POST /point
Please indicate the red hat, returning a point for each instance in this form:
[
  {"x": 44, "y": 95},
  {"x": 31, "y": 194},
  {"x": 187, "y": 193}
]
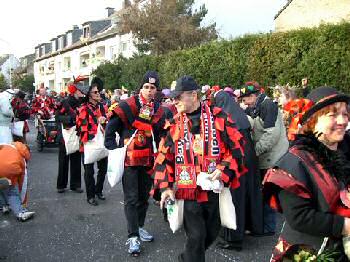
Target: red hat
[{"x": 72, "y": 88}]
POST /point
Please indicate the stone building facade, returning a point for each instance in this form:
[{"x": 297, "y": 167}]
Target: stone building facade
[{"x": 310, "y": 13}]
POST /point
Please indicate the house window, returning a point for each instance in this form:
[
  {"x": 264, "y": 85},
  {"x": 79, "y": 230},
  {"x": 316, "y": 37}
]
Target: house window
[
  {"x": 66, "y": 63},
  {"x": 51, "y": 67},
  {"x": 63, "y": 42},
  {"x": 124, "y": 46},
  {"x": 86, "y": 32},
  {"x": 84, "y": 60},
  {"x": 41, "y": 70},
  {"x": 69, "y": 39}
]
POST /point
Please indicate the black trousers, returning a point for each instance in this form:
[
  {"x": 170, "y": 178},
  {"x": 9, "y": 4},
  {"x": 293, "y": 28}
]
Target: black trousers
[
  {"x": 91, "y": 187},
  {"x": 74, "y": 160},
  {"x": 137, "y": 185},
  {"x": 202, "y": 225}
]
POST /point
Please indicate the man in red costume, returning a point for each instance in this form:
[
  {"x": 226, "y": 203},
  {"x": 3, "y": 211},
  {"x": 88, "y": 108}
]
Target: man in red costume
[
  {"x": 198, "y": 140},
  {"x": 43, "y": 105}
]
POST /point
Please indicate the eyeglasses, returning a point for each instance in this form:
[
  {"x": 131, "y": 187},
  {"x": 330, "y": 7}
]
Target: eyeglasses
[{"x": 95, "y": 92}]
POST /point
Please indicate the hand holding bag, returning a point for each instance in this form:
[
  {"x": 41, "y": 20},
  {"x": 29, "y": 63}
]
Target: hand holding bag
[{"x": 116, "y": 159}]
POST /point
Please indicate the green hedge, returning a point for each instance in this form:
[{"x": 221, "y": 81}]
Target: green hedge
[{"x": 322, "y": 54}]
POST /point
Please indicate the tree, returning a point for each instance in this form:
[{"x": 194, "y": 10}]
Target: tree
[
  {"x": 110, "y": 73},
  {"x": 3, "y": 82},
  {"x": 164, "y": 25},
  {"x": 24, "y": 83}
]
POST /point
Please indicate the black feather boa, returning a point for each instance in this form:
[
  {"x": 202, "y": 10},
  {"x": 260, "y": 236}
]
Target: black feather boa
[{"x": 337, "y": 163}]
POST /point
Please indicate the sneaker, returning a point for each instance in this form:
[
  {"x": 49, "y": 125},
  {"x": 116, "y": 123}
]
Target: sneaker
[
  {"x": 5, "y": 210},
  {"x": 100, "y": 196},
  {"x": 92, "y": 201},
  {"x": 144, "y": 235},
  {"x": 24, "y": 216},
  {"x": 134, "y": 246}
]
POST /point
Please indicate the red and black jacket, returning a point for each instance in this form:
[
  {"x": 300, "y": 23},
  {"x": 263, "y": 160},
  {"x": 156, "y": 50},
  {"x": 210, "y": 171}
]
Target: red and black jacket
[
  {"x": 125, "y": 120},
  {"x": 45, "y": 106},
  {"x": 66, "y": 113},
  {"x": 87, "y": 121},
  {"x": 231, "y": 156},
  {"x": 308, "y": 186},
  {"x": 21, "y": 109}
]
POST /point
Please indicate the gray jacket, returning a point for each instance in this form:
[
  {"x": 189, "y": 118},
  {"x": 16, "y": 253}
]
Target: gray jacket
[{"x": 268, "y": 131}]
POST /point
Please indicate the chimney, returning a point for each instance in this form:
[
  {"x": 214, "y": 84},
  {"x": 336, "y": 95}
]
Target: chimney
[
  {"x": 110, "y": 11},
  {"x": 75, "y": 27}
]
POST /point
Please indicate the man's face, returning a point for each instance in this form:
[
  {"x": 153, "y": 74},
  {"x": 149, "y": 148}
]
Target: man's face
[
  {"x": 148, "y": 91},
  {"x": 249, "y": 100},
  {"x": 42, "y": 91},
  {"x": 304, "y": 82},
  {"x": 78, "y": 94},
  {"x": 184, "y": 103}
]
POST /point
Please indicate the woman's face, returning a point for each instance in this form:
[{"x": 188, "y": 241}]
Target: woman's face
[
  {"x": 95, "y": 94},
  {"x": 332, "y": 125}
]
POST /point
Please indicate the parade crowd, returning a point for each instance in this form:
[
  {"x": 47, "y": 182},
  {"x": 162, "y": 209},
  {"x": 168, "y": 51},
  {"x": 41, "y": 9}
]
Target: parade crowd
[{"x": 185, "y": 146}]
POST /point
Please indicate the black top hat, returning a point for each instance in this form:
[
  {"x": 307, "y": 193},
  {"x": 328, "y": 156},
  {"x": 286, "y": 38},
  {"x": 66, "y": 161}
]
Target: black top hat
[
  {"x": 322, "y": 97},
  {"x": 183, "y": 84}
]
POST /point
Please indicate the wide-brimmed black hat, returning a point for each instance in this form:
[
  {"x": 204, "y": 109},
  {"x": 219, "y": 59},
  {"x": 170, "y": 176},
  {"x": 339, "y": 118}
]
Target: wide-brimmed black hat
[
  {"x": 322, "y": 97},
  {"x": 183, "y": 84}
]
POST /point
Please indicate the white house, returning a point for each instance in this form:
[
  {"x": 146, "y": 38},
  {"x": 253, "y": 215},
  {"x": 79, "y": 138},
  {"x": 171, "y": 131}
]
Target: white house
[
  {"x": 80, "y": 50},
  {"x": 310, "y": 13},
  {"x": 8, "y": 63}
]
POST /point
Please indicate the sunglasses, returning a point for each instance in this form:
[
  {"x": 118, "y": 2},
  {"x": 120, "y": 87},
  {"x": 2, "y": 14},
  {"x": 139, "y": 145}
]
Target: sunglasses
[{"x": 95, "y": 92}]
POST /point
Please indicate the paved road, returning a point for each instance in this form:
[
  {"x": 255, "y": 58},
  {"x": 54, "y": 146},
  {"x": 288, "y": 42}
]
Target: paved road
[{"x": 66, "y": 228}]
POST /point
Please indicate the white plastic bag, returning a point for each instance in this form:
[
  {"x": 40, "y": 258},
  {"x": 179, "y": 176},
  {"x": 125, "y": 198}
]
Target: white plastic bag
[
  {"x": 116, "y": 159},
  {"x": 71, "y": 140},
  {"x": 176, "y": 214},
  {"x": 227, "y": 209},
  {"x": 17, "y": 128},
  {"x": 95, "y": 150}
]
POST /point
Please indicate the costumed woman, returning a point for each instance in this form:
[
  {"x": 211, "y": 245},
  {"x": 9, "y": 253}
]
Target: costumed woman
[{"x": 310, "y": 183}]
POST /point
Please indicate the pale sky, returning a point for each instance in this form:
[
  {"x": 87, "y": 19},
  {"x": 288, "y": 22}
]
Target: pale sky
[{"x": 27, "y": 23}]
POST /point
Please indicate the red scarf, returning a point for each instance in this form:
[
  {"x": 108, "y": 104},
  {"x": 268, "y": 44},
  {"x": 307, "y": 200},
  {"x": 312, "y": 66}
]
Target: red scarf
[{"x": 185, "y": 169}]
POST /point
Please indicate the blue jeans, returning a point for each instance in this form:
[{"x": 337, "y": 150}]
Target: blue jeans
[{"x": 12, "y": 197}]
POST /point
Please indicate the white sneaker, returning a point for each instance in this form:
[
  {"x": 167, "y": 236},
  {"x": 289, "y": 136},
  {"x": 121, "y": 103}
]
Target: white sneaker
[
  {"x": 5, "y": 210},
  {"x": 24, "y": 216},
  {"x": 134, "y": 246},
  {"x": 145, "y": 236}
]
